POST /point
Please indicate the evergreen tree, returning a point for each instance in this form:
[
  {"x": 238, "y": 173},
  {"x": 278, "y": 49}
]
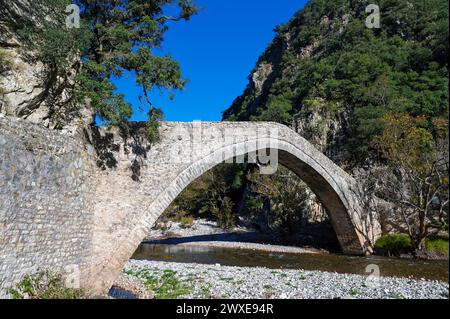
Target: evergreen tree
[{"x": 115, "y": 37}]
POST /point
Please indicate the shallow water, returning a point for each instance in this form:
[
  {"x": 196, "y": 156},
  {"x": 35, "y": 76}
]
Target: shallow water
[{"x": 428, "y": 269}]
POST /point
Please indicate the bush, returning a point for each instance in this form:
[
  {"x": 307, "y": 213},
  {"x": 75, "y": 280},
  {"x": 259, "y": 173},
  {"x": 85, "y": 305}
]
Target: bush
[
  {"x": 182, "y": 217},
  {"x": 393, "y": 244},
  {"x": 186, "y": 221},
  {"x": 224, "y": 213},
  {"x": 437, "y": 245},
  {"x": 165, "y": 284},
  {"x": 45, "y": 285}
]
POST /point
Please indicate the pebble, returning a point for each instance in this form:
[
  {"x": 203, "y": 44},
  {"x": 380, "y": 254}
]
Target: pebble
[{"x": 262, "y": 283}]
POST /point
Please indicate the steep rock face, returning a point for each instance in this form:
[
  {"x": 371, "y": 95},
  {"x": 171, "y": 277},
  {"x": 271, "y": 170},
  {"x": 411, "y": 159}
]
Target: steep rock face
[
  {"x": 323, "y": 124},
  {"x": 28, "y": 89},
  {"x": 324, "y": 129}
]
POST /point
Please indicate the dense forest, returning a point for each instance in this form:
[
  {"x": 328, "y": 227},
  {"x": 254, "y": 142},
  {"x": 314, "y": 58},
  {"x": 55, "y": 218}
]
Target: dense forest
[{"x": 327, "y": 59}]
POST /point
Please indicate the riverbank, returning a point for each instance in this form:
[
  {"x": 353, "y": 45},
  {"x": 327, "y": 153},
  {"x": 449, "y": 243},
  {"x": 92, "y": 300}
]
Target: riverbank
[
  {"x": 206, "y": 233},
  {"x": 238, "y": 242},
  {"x": 189, "y": 280}
]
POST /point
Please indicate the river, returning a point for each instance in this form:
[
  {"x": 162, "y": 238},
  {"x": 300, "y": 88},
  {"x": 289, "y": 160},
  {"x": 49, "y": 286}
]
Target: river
[{"x": 395, "y": 267}]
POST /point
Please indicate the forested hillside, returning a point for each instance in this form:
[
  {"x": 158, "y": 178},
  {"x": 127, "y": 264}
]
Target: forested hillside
[{"x": 325, "y": 67}]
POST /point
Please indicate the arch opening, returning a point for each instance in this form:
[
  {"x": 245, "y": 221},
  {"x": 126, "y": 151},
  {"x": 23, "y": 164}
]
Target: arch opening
[{"x": 276, "y": 209}]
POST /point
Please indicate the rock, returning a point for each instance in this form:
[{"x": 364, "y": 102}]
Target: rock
[{"x": 28, "y": 89}]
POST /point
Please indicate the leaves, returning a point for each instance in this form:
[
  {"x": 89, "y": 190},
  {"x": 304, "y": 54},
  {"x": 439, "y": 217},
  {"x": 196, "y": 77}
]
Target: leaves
[
  {"x": 419, "y": 186},
  {"x": 401, "y": 67},
  {"x": 404, "y": 141},
  {"x": 116, "y": 36},
  {"x": 45, "y": 285}
]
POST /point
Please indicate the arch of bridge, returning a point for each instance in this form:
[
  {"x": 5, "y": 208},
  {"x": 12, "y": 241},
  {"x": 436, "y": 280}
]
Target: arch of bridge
[{"x": 127, "y": 208}]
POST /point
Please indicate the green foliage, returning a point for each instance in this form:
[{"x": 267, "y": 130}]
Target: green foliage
[
  {"x": 165, "y": 284},
  {"x": 401, "y": 67},
  {"x": 437, "y": 244},
  {"x": 255, "y": 203},
  {"x": 278, "y": 110},
  {"x": 152, "y": 125},
  {"x": 116, "y": 38},
  {"x": 49, "y": 40},
  {"x": 205, "y": 291},
  {"x": 418, "y": 153},
  {"x": 286, "y": 194},
  {"x": 94, "y": 86},
  {"x": 394, "y": 243},
  {"x": 186, "y": 221},
  {"x": 405, "y": 142},
  {"x": 224, "y": 213},
  {"x": 212, "y": 195},
  {"x": 5, "y": 63},
  {"x": 45, "y": 285}
]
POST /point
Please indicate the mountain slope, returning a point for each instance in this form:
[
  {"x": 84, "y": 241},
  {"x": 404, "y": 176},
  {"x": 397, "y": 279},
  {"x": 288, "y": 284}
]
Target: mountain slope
[{"x": 331, "y": 78}]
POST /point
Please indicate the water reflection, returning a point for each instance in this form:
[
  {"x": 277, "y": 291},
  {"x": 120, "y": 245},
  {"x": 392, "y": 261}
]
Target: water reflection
[{"x": 429, "y": 269}]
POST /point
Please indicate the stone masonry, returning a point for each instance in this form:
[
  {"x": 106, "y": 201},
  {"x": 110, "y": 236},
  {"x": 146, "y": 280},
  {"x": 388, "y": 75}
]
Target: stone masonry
[
  {"x": 62, "y": 203},
  {"x": 45, "y": 214}
]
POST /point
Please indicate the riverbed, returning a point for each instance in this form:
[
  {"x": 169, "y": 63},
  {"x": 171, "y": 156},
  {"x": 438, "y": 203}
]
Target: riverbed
[
  {"x": 192, "y": 280},
  {"x": 204, "y": 262},
  {"x": 279, "y": 257}
]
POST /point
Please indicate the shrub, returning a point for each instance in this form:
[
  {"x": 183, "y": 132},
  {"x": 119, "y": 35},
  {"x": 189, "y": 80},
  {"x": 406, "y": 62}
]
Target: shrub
[
  {"x": 186, "y": 221},
  {"x": 394, "y": 243},
  {"x": 164, "y": 284},
  {"x": 437, "y": 244},
  {"x": 5, "y": 63},
  {"x": 45, "y": 285},
  {"x": 182, "y": 217},
  {"x": 224, "y": 213}
]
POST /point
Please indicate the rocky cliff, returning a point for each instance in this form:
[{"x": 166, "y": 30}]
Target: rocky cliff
[
  {"x": 264, "y": 98},
  {"x": 330, "y": 77},
  {"x": 28, "y": 88}
]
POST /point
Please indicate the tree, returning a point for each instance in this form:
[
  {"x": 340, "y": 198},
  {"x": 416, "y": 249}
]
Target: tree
[
  {"x": 116, "y": 38},
  {"x": 287, "y": 197},
  {"x": 418, "y": 185},
  {"x": 213, "y": 195},
  {"x": 401, "y": 67}
]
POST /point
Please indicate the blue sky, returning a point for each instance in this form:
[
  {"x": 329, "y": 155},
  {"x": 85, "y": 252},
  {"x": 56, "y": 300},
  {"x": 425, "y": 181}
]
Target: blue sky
[{"x": 216, "y": 49}]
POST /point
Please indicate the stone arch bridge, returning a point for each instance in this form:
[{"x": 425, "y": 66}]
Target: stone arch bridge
[{"x": 84, "y": 208}]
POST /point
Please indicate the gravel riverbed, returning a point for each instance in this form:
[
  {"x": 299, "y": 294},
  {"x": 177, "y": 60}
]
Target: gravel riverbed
[{"x": 183, "y": 280}]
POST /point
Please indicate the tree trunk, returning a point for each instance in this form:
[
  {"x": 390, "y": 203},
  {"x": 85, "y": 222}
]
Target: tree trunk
[{"x": 419, "y": 244}]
